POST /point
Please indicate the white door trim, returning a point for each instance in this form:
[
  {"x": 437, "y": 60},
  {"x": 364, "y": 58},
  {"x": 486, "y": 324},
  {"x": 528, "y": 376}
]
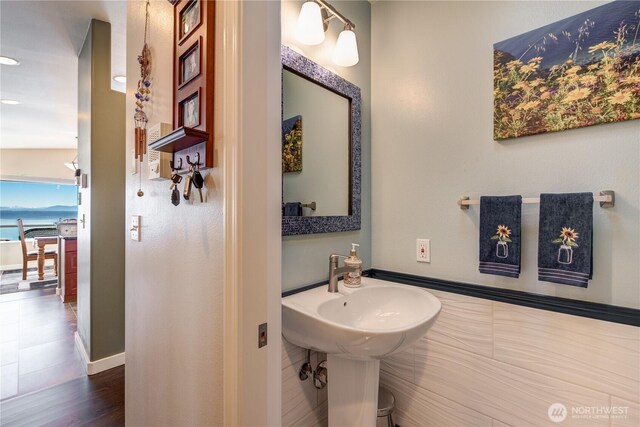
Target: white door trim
[
  {"x": 230, "y": 69},
  {"x": 248, "y": 77}
]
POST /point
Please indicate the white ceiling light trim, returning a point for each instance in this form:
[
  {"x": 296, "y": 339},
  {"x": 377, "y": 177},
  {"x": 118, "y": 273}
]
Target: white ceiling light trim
[
  {"x": 7, "y": 60},
  {"x": 120, "y": 79},
  {"x": 10, "y": 101}
]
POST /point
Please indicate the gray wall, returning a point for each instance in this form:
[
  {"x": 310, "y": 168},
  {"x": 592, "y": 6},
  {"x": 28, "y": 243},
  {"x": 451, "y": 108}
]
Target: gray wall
[
  {"x": 101, "y": 126},
  {"x": 305, "y": 258},
  {"x": 432, "y": 142}
]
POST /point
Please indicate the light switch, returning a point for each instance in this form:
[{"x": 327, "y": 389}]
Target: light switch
[{"x": 135, "y": 228}]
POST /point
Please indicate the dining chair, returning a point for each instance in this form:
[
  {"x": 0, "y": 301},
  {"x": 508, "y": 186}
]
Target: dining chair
[{"x": 33, "y": 255}]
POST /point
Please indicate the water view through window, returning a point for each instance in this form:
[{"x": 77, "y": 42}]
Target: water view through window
[{"x": 36, "y": 203}]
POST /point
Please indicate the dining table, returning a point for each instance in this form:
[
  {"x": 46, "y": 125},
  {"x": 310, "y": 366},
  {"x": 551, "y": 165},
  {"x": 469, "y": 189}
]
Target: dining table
[{"x": 41, "y": 242}]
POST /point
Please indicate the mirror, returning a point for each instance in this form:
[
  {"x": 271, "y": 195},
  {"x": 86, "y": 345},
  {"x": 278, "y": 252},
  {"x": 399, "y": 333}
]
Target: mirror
[
  {"x": 320, "y": 148},
  {"x": 315, "y": 157}
]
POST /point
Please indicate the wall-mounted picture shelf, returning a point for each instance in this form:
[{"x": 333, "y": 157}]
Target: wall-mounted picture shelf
[
  {"x": 183, "y": 139},
  {"x": 193, "y": 57}
]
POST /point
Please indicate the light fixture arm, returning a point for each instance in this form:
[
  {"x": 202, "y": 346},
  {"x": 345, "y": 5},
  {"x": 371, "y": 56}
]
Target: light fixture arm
[{"x": 333, "y": 13}]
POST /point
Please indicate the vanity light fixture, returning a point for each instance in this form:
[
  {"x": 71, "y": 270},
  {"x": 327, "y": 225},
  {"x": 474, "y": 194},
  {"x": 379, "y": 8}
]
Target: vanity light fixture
[
  {"x": 6, "y": 60},
  {"x": 120, "y": 79},
  {"x": 9, "y": 101},
  {"x": 312, "y": 23}
]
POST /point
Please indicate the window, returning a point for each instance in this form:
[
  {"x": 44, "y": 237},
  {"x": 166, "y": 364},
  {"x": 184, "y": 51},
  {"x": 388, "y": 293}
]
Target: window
[{"x": 37, "y": 203}]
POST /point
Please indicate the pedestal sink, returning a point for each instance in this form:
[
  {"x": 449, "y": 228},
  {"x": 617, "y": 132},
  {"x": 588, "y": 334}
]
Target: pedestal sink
[{"x": 357, "y": 327}]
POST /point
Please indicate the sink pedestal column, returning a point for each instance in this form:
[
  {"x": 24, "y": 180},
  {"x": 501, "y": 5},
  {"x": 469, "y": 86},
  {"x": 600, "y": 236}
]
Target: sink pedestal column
[{"x": 353, "y": 391}]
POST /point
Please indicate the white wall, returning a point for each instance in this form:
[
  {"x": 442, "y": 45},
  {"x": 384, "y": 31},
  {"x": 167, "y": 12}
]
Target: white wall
[
  {"x": 305, "y": 258},
  {"x": 432, "y": 142},
  {"x": 40, "y": 165},
  {"x": 195, "y": 273},
  {"x": 174, "y": 275}
]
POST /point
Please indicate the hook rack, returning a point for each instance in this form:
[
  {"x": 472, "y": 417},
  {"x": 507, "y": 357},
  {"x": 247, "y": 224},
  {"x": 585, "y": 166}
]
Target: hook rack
[
  {"x": 607, "y": 199},
  {"x": 196, "y": 163},
  {"x": 311, "y": 205},
  {"x": 194, "y": 156},
  {"x": 171, "y": 164}
]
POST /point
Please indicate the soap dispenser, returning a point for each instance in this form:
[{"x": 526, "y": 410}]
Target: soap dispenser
[{"x": 353, "y": 278}]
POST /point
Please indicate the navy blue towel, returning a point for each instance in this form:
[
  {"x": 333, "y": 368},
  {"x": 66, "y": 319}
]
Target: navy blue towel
[
  {"x": 292, "y": 209},
  {"x": 500, "y": 235},
  {"x": 565, "y": 238}
]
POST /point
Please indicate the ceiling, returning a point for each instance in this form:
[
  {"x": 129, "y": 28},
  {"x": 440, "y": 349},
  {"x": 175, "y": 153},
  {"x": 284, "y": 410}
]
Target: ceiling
[{"x": 46, "y": 37}]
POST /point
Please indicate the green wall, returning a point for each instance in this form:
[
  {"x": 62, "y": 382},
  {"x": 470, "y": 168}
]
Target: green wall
[{"x": 101, "y": 155}]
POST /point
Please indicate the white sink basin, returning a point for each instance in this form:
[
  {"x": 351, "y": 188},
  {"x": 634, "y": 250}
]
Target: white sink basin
[{"x": 366, "y": 323}]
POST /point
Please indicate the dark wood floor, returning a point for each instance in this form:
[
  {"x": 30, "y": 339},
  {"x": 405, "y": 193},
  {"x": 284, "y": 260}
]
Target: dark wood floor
[{"x": 97, "y": 400}]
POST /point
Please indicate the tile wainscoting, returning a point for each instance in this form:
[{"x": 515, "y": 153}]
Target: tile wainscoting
[
  {"x": 489, "y": 363},
  {"x": 302, "y": 404}
]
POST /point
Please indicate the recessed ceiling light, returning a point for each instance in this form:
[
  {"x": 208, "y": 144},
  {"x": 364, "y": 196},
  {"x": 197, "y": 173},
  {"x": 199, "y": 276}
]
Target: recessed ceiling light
[
  {"x": 5, "y": 60},
  {"x": 120, "y": 79},
  {"x": 9, "y": 101}
]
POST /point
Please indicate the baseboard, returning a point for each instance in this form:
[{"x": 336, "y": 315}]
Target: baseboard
[
  {"x": 11, "y": 267},
  {"x": 97, "y": 365}
]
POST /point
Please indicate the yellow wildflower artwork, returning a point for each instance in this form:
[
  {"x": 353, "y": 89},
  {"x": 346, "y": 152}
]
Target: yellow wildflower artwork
[
  {"x": 581, "y": 71},
  {"x": 292, "y": 145}
]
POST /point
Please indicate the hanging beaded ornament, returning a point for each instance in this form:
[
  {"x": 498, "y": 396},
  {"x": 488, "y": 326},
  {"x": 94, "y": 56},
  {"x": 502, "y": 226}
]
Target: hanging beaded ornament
[{"x": 142, "y": 96}]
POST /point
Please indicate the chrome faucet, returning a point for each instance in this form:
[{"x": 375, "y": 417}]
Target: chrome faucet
[{"x": 334, "y": 271}]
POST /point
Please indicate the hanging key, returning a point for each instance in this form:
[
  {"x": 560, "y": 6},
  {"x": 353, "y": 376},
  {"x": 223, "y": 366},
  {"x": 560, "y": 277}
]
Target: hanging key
[
  {"x": 175, "y": 179},
  {"x": 187, "y": 184},
  {"x": 175, "y": 195},
  {"x": 198, "y": 181}
]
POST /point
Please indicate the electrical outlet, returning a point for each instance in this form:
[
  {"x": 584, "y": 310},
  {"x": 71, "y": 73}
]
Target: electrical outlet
[{"x": 423, "y": 250}]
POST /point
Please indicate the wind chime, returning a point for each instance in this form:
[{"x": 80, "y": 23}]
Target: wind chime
[{"x": 142, "y": 96}]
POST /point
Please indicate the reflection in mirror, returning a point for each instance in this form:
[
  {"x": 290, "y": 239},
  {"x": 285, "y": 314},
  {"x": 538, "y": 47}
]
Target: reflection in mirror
[
  {"x": 320, "y": 148},
  {"x": 316, "y": 148}
]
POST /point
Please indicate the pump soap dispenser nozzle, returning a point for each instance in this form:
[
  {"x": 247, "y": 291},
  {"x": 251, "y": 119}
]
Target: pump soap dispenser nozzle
[{"x": 353, "y": 278}]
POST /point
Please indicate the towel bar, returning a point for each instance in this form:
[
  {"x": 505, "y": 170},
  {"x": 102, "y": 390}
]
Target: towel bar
[{"x": 606, "y": 198}]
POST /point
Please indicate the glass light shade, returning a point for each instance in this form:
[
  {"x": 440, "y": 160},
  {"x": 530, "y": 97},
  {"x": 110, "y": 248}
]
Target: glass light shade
[
  {"x": 345, "y": 53},
  {"x": 310, "y": 27}
]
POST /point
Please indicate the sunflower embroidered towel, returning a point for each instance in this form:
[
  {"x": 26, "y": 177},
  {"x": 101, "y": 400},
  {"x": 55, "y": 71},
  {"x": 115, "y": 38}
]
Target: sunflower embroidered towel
[
  {"x": 500, "y": 235},
  {"x": 565, "y": 238}
]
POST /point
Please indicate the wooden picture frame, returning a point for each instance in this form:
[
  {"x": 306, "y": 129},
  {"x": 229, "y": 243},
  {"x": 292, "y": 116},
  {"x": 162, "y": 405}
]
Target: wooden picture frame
[
  {"x": 190, "y": 64},
  {"x": 190, "y": 110},
  {"x": 190, "y": 18},
  {"x": 193, "y": 79}
]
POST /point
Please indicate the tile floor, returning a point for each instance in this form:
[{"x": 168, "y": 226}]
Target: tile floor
[
  {"x": 10, "y": 279},
  {"x": 37, "y": 342}
]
